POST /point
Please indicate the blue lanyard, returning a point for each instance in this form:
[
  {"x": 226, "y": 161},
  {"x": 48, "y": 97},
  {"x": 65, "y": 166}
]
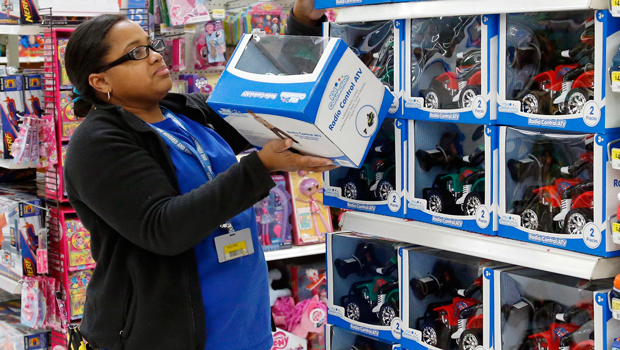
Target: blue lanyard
[{"x": 182, "y": 146}]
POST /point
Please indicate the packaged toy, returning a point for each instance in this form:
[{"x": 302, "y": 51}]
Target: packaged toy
[
  {"x": 264, "y": 18},
  {"x": 363, "y": 293},
  {"x": 452, "y": 176},
  {"x": 337, "y": 122},
  {"x": 554, "y": 70},
  {"x": 30, "y": 45},
  {"x": 283, "y": 340},
  {"x": 77, "y": 239},
  {"x": 76, "y": 290},
  {"x": 452, "y": 69},
  {"x": 178, "y": 54},
  {"x": 377, "y": 186},
  {"x": 338, "y": 338},
  {"x": 168, "y": 53},
  {"x": 33, "y": 94},
  {"x": 65, "y": 83},
  {"x": 301, "y": 319},
  {"x": 187, "y": 11},
  {"x": 308, "y": 280},
  {"x": 310, "y": 217},
  {"x": 214, "y": 39},
  {"x": 206, "y": 83},
  {"x": 556, "y": 189},
  {"x": 67, "y": 116},
  {"x": 29, "y": 12},
  {"x": 10, "y": 12},
  {"x": 16, "y": 336},
  {"x": 272, "y": 217},
  {"x": 11, "y": 103}
]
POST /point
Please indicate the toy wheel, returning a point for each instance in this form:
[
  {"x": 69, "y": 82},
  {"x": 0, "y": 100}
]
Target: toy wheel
[
  {"x": 387, "y": 313},
  {"x": 575, "y": 220},
  {"x": 357, "y": 309},
  {"x": 575, "y": 100},
  {"x": 470, "y": 339},
  {"x": 351, "y": 190},
  {"x": 530, "y": 104},
  {"x": 529, "y": 219},
  {"x": 472, "y": 202},
  {"x": 431, "y": 99},
  {"x": 430, "y": 335},
  {"x": 383, "y": 189},
  {"x": 468, "y": 95},
  {"x": 435, "y": 201}
]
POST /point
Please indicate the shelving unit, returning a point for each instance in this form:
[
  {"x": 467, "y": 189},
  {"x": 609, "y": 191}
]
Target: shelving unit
[
  {"x": 20, "y": 30},
  {"x": 77, "y": 7},
  {"x": 9, "y": 164},
  {"x": 489, "y": 247},
  {"x": 35, "y": 59},
  {"x": 295, "y": 252},
  {"x": 10, "y": 285}
]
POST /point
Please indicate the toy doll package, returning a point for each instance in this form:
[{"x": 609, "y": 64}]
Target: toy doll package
[
  {"x": 210, "y": 46},
  {"x": 78, "y": 245},
  {"x": 65, "y": 83},
  {"x": 272, "y": 217},
  {"x": 187, "y": 11},
  {"x": 310, "y": 218},
  {"x": 264, "y": 18},
  {"x": 69, "y": 121}
]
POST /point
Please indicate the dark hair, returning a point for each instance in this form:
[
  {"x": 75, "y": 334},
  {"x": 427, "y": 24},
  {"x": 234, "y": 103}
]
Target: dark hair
[{"x": 84, "y": 55}]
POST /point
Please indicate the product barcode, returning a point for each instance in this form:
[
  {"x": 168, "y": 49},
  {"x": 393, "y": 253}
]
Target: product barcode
[
  {"x": 236, "y": 253},
  {"x": 344, "y": 162}
]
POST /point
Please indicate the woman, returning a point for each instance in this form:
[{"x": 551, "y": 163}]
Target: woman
[{"x": 154, "y": 178}]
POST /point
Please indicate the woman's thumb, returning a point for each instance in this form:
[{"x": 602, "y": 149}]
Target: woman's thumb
[{"x": 283, "y": 145}]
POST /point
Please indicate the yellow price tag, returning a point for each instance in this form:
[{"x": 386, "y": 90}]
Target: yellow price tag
[
  {"x": 221, "y": 13},
  {"x": 615, "y": 3},
  {"x": 236, "y": 249},
  {"x": 615, "y": 304},
  {"x": 615, "y": 76},
  {"x": 616, "y": 227},
  {"x": 615, "y": 153}
]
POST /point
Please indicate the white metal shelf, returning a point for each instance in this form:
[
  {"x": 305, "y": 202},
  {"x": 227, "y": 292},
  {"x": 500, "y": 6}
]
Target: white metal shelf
[
  {"x": 34, "y": 59},
  {"x": 424, "y": 9},
  {"x": 10, "y": 285},
  {"x": 295, "y": 252},
  {"x": 79, "y": 7},
  {"x": 21, "y": 30},
  {"x": 489, "y": 247},
  {"x": 9, "y": 164}
]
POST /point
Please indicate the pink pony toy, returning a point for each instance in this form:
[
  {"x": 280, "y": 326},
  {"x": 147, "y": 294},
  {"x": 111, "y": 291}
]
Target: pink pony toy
[
  {"x": 309, "y": 187},
  {"x": 309, "y": 316}
]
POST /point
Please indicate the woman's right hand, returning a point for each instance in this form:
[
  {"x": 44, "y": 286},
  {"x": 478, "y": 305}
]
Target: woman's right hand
[{"x": 276, "y": 156}]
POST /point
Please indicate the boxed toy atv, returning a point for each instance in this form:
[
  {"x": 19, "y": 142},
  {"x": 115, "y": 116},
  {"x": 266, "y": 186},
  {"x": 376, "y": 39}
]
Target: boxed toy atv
[
  {"x": 445, "y": 299},
  {"x": 451, "y": 69},
  {"x": 363, "y": 285},
  {"x": 556, "y": 189},
  {"x": 378, "y": 45},
  {"x": 554, "y": 70},
  {"x": 338, "y": 338},
  {"x": 453, "y": 175},
  {"x": 312, "y": 90},
  {"x": 537, "y": 310},
  {"x": 378, "y": 185}
]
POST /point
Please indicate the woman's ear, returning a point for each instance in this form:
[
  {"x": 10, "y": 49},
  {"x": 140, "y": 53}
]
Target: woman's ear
[{"x": 99, "y": 83}]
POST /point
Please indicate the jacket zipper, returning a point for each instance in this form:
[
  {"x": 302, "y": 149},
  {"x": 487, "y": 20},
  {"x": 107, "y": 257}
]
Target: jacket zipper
[{"x": 191, "y": 307}]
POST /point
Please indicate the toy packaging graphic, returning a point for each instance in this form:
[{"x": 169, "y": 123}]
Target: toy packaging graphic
[
  {"x": 33, "y": 94},
  {"x": 68, "y": 119},
  {"x": 16, "y": 336},
  {"x": 338, "y": 338},
  {"x": 447, "y": 302},
  {"x": 65, "y": 83},
  {"x": 78, "y": 251},
  {"x": 310, "y": 217},
  {"x": 314, "y": 91},
  {"x": 283, "y": 340},
  {"x": 210, "y": 46},
  {"x": 451, "y": 67},
  {"x": 76, "y": 287},
  {"x": 363, "y": 287},
  {"x": 308, "y": 280},
  {"x": 536, "y": 309},
  {"x": 178, "y": 54},
  {"x": 557, "y": 189},
  {"x": 378, "y": 45},
  {"x": 453, "y": 175},
  {"x": 29, "y": 10},
  {"x": 265, "y": 18},
  {"x": 272, "y": 217},
  {"x": 10, "y": 13},
  {"x": 11, "y": 103},
  {"x": 554, "y": 73},
  {"x": 30, "y": 45},
  {"x": 187, "y": 11},
  {"x": 377, "y": 186}
]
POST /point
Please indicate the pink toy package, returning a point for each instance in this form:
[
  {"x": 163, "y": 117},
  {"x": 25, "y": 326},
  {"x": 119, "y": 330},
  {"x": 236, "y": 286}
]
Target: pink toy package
[
  {"x": 178, "y": 54},
  {"x": 272, "y": 217},
  {"x": 187, "y": 11},
  {"x": 265, "y": 18},
  {"x": 310, "y": 218},
  {"x": 210, "y": 46},
  {"x": 78, "y": 245}
]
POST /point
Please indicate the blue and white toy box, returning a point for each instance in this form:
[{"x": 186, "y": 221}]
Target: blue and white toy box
[
  {"x": 363, "y": 284},
  {"x": 446, "y": 299},
  {"x": 450, "y": 69},
  {"x": 327, "y": 4},
  {"x": 558, "y": 189},
  {"x": 453, "y": 175},
  {"x": 554, "y": 71},
  {"x": 379, "y": 45},
  {"x": 337, "y": 338},
  {"x": 535, "y": 310},
  {"x": 310, "y": 89},
  {"x": 11, "y": 103},
  {"x": 378, "y": 186}
]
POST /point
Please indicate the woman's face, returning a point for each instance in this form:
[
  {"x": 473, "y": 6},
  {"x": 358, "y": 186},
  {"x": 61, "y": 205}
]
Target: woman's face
[{"x": 135, "y": 81}]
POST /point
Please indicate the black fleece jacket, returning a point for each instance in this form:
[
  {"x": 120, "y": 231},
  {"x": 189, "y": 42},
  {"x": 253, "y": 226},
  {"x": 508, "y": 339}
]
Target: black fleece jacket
[{"x": 145, "y": 291}]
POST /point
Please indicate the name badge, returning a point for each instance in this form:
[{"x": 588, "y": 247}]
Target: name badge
[{"x": 234, "y": 245}]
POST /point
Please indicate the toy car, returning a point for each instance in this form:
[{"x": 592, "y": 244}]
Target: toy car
[
  {"x": 448, "y": 189},
  {"x": 363, "y": 298}
]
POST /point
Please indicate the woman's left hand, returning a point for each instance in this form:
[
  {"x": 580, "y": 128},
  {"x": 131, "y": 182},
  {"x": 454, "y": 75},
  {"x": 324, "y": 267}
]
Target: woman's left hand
[{"x": 305, "y": 12}]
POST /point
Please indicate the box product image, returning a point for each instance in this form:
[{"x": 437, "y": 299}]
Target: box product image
[
  {"x": 446, "y": 303},
  {"x": 11, "y": 103},
  {"x": 557, "y": 189},
  {"x": 453, "y": 175},
  {"x": 312, "y": 90},
  {"x": 378, "y": 185},
  {"x": 33, "y": 94},
  {"x": 363, "y": 288},
  {"x": 451, "y": 69},
  {"x": 554, "y": 70},
  {"x": 310, "y": 215},
  {"x": 338, "y": 338},
  {"x": 272, "y": 217},
  {"x": 537, "y": 310},
  {"x": 378, "y": 45}
]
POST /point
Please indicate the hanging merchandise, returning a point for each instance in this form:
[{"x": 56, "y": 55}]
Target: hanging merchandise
[
  {"x": 210, "y": 46},
  {"x": 272, "y": 217},
  {"x": 14, "y": 335},
  {"x": 65, "y": 83},
  {"x": 265, "y": 18},
  {"x": 178, "y": 54},
  {"x": 47, "y": 142},
  {"x": 12, "y": 102},
  {"x": 67, "y": 116},
  {"x": 187, "y": 11},
  {"x": 33, "y": 94},
  {"x": 77, "y": 240}
]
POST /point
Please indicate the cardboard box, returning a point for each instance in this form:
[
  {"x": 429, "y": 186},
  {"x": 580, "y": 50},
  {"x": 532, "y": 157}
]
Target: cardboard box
[
  {"x": 12, "y": 102},
  {"x": 558, "y": 189},
  {"x": 323, "y": 97},
  {"x": 272, "y": 216},
  {"x": 33, "y": 94},
  {"x": 453, "y": 175},
  {"x": 14, "y": 335},
  {"x": 10, "y": 13},
  {"x": 451, "y": 69},
  {"x": 554, "y": 71},
  {"x": 327, "y": 4},
  {"x": 338, "y": 338},
  {"x": 283, "y": 340}
]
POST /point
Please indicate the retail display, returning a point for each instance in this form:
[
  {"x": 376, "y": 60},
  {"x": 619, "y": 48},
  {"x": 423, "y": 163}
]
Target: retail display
[
  {"x": 16, "y": 336},
  {"x": 272, "y": 217},
  {"x": 30, "y": 46},
  {"x": 33, "y": 94},
  {"x": 10, "y": 12},
  {"x": 308, "y": 280},
  {"x": 377, "y": 186},
  {"x": 451, "y": 176},
  {"x": 338, "y": 122},
  {"x": 264, "y": 18},
  {"x": 338, "y": 338},
  {"x": 555, "y": 189},
  {"x": 11, "y": 103},
  {"x": 210, "y": 46},
  {"x": 310, "y": 216},
  {"x": 178, "y": 54}
]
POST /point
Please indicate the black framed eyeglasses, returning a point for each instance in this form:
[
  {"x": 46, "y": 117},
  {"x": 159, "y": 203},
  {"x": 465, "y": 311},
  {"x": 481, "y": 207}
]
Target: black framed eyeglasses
[{"x": 138, "y": 53}]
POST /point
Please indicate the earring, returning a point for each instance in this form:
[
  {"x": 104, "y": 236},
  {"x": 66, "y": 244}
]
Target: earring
[{"x": 109, "y": 96}]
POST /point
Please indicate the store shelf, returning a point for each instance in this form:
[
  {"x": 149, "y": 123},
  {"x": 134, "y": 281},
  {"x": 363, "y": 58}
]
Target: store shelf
[
  {"x": 21, "y": 30},
  {"x": 10, "y": 285},
  {"x": 79, "y": 8},
  {"x": 8, "y": 164},
  {"x": 25, "y": 59},
  {"x": 495, "y": 248},
  {"x": 423, "y": 9},
  {"x": 295, "y": 252}
]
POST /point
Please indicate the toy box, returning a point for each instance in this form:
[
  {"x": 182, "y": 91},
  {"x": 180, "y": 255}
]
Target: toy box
[
  {"x": 29, "y": 12},
  {"x": 33, "y": 94},
  {"x": 65, "y": 83},
  {"x": 178, "y": 54},
  {"x": 308, "y": 280},
  {"x": 15, "y": 336},
  {"x": 67, "y": 118},
  {"x": 378, "y": 185},
  {"x": 363, "y": 285},
  {"x": 451, "y": 69},
  {"x": 77, "y": 241},
  {"x": 341, "y": 339},
  {"x": 446, "y": 300},
  {"x": 539, "y": 310},
  {"x": 558, "y": 189},
  {"x": 453, "y": 175},
  {"x": 283, "y": 340},
  {"x": 10, "y": 13},
  {"x": 378, "y": 45},
  {"x": 325, "y": 99},
  {"x": 265, "y": 18},
  {"x": 326, "y": 4},
  {"x": 11, "y": 103},
  {"x": 310, "y": 216},
  {"x": 554, "y": 71},
  {"x": 187, "y": 11},
  {"x": 272, "y": 217}
]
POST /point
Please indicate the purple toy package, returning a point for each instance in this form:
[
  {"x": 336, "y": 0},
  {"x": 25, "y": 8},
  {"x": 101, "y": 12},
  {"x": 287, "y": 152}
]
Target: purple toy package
[{"x": 272, "y": 214}]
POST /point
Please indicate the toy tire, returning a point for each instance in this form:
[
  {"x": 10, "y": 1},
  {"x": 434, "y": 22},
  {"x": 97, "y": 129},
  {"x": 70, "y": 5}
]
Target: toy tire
[
  {"x": 434, "y": 334},
  {"x": 530, "y": 218},
  {"x": 439, "y": 200},
  {"x": 351, "y": 190},
  {"x": 383, "y": 190},
  {"x": 536, "y": 102},
  {"x": 432, "y": 99},
  {"x": 470, "y": 339},
  {"x": 575, "y": 220},
  {"x": 468, "y": 95},
  {"x": 575, "y": 100},
  {"x": 472, "y": 202},
  {"x": 387, "y": 313},
  {"x": 357, "y": 309}
]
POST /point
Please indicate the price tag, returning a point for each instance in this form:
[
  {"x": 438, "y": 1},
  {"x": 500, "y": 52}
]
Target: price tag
[
  {"x": 615, "y": 153},
  {"x": 616, "y": 229},
  {"x": 221, "y": 13},
  {"x": 615, "y": 3},
  {"x": 615, "y": 76},
  {"x": 615, "y": 304}
]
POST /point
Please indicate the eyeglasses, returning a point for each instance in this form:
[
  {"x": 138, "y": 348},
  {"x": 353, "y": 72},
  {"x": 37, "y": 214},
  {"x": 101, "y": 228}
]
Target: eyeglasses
[{"x": 138, "y": 53}]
